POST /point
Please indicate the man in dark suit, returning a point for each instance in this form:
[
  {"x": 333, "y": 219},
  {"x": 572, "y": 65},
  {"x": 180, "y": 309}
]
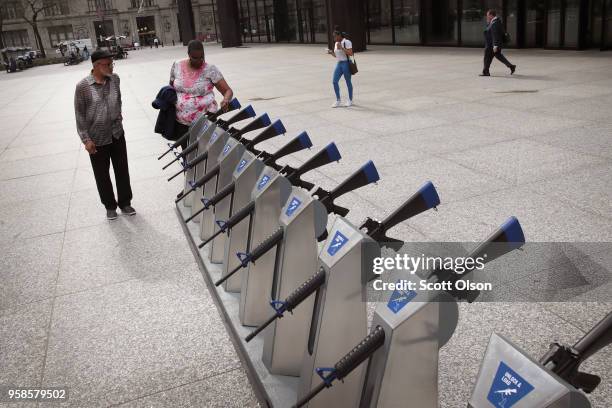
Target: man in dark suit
[{"x": 494, "y": 39}]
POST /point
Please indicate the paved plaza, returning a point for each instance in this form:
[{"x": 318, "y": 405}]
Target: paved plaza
[{"x": 119, "y": 312}]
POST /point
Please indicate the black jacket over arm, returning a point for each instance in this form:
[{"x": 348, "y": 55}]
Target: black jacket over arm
[
  {"x": 165, "y": 101},
  {"x": 494, "y": 34}
]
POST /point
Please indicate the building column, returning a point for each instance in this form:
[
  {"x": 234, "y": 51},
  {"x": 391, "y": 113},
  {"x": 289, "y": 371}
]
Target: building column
[
  {"x": 134, "y": 28},
  {"x": 186, "y": 16},
  {"x": 158, "y": 26},
  {"x": 349, "y": 15},
  {"x": 229, "y": 18},
  {"x": 281, "y": 21}
]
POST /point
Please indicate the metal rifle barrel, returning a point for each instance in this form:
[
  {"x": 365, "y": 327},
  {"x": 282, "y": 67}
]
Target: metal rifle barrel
[
  {"x": 185, "y": 195},
  {"x": 261, "y": 327},
  {"x": 229, "y": 275},
  {"x": 597, "y": 338},
  {"x": 257, "y": 252},
  {"x": 313, "y": 393},
  {"x": 233, "y": 220},
  {"x": 182, "y": 154},
  {"x": 188, "y": 165},
  {"x": 349, "y": 362},
  {"x": 179, "y": 173},
  {"x": 294, "y": 299},
  {"x": 200, "y": 211},
  {"x": 213, "y": 236},
  {"x": 176, "y": 144},
  {"x": 168, "y": 165},
  {"x": 200, "y": 182},
  {"x": 214, "y": 200}
]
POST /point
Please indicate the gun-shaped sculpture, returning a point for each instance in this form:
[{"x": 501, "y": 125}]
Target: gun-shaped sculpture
[
  {"x": 213, "y": 117},
  {"x": 346, "y": 364},
  {"x": 258, "y": 123},
  {"x": 424, "y": 199},
  {"x": 271, "y": 130},
  {"x": 506, "y": 238},
  {"x": 565, "y": 361},
  {"x": 365, "y": 175},
  {"x": 243, "y": 114},
  {"x": 261, "y": 122},
  {"x": 300, "y": 142},
  {"x": 292, "y": 301},
  {"x": 327, "y": 155}
]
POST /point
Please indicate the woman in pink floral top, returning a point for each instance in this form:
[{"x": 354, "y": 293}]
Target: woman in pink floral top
[{"x": 194, "y": 81}]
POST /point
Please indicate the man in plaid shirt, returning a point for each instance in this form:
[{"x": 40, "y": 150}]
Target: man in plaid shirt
[{"x": 97, "y": 107}]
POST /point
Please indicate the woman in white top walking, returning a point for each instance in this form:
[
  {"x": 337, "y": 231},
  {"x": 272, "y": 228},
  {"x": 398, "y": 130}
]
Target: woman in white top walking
[{"x": 343, "y": 48}]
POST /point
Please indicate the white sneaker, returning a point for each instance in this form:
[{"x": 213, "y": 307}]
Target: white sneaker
[
  {"x": 348, "y": 103},
  {"x": 336, "y": 104}
]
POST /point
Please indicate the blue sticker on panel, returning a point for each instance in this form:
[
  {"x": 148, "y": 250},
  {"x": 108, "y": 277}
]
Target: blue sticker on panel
[
  {"x": 508, "y": 387},
  {"x": 294, "y": 204},
  {"x": 399, "y": 299},
  {"x": 336, "y": 243},
  {"x": 226, "y": 148},
  {"x": 241, "y": 165},
  {"x": 213, "y": 138},
  {"x": 262, "y": 183}
]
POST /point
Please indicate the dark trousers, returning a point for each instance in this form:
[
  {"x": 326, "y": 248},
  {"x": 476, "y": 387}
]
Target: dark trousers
[
  {"x": 116, "y": 152},
  {"x": 488, "y": 58},
  {"x": 180, "y": 130}
]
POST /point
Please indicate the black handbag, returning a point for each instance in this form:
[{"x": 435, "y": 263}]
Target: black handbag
[{"x": 352, "y": 65}]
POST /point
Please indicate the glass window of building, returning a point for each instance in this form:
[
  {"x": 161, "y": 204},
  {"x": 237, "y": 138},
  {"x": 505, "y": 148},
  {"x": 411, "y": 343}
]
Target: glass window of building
[
  {"x": 57, "y": 34},
  {"x": 595, "y": 23},
  {"x": 305, "y": 17},
  {"x": 553, "y": 24},
  {"x": 245, "y": 23},
  {"x": 441, "y": 24},
  {"x": 535, "y": 23},
  {"x": 260, "y": 23},
  {"x": 11, "y": 10},
  {"x": 607, "y": 36},
  {"x": 406, "y": 15},
  {"x": 142, "y": 3},
  {"x": 16, "y": 38},
  {"x": 474, "y": 19},
  {"x": 319, "y": 21},
  {"x": 312, "y": 21},
  {"x": 292, "y": 22},
  {"x": 473, "y": 22},
  {"x": 380, "y": 30},
  {"x": 269, "y": 20},
  {"x": 95, "y": 5},
  {"x": 572, "y": 22},
  {"x": 55, "y": 7},
  {"x": 511, "y": 19}
]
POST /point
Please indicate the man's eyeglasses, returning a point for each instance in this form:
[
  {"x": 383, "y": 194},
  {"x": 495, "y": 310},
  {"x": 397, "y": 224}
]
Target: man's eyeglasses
[
  {"x": 108, "y": 64},
  {"x": 196, "y": 58}
]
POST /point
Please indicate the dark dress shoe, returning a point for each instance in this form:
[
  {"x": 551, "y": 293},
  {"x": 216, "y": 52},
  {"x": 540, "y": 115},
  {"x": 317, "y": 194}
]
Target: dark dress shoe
[
  {"x": 512, "y": 69},
  {"x": 484, "y": 74}
]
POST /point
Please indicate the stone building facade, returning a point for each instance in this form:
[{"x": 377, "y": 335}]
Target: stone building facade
[{"x": 138, "y": 20}]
